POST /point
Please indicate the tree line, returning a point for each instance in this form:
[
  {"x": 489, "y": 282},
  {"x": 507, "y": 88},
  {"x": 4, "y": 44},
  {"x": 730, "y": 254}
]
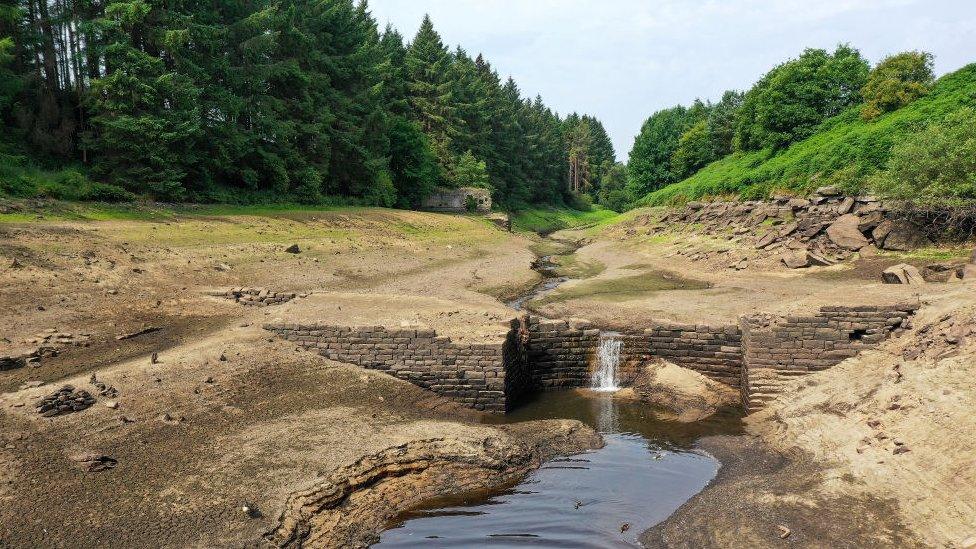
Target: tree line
[
  {"x": 788, "y": 104},
  {"x": 275, "y": 100}
]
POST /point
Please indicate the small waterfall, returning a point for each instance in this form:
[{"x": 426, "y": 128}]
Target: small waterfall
[{"x": 605, "y": 376}]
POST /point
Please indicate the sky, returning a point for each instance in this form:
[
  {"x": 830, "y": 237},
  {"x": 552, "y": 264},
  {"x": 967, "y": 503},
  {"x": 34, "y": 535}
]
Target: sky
[{"x": 622, "y": 60}]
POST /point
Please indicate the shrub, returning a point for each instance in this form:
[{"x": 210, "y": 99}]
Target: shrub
[
  {"x": 897, "y": 81},
  {"x": 101, "y": 192}
]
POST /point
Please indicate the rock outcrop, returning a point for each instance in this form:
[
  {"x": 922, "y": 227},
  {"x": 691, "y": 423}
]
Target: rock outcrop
[{"x": 799, "y": 232}]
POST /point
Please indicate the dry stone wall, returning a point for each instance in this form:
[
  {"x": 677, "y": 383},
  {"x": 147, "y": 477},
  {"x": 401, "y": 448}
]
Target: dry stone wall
[
  {"x": 473, "y": 374},
  {"x": 714, "y": 351},
  {"x": 757, "y": 356},
  {"x": 778, "y": 348},
  {"x": 256, "y": 297}
]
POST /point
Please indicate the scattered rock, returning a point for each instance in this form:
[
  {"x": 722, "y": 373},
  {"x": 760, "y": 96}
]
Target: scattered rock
[
  {"x": 784, "y": 532},
  {"x": 829, "y": 190},
  {"x": 293, "y": 249},
  {"x": 902, "y": 273}
]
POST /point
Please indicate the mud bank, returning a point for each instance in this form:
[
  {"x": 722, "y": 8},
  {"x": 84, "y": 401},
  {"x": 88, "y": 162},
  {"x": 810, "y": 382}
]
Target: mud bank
[
  {"x": 762, "y": 498},
  {"x": 351, "y": 506}
]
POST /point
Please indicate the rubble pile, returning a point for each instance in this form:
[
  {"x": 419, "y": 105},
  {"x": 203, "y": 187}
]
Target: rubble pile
[
  {"x": 799, "y": 232},
  {"x": 65, "y": 400},
  {"x": 943, "y": 338},
  {"x": 257, "y": 297}
]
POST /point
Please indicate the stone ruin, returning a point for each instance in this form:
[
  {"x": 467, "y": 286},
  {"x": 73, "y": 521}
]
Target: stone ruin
[
  {"x": 458, "y": 200},
  {"x": 756, "y": 355},
  {"x": 257, "y": 297}
]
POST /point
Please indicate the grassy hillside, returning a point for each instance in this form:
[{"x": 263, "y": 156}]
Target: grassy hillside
[
  {"x": 546, "y": 220},
  {"x": 844, "y": 150}
]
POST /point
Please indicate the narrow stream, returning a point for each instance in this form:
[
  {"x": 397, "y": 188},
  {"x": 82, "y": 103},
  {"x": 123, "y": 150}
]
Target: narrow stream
[{"x": 601, "y": 498}]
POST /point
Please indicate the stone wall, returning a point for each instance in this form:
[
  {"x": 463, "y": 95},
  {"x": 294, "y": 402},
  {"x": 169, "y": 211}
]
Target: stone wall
[
  {"x": 714, "y": 351},
  {"x": 778, "y": 348},
  {"x": 757, "y": 356},
  {"x": 456, "y": 200},
  {"x": 559, "y": 353},
  {"x": 473, "y": 374}
]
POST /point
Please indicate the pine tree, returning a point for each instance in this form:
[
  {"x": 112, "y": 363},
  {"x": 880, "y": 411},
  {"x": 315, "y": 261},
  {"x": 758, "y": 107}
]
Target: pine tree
[
  {"x": 145, "y": 122},
  {"x": 428, "y": 66}
]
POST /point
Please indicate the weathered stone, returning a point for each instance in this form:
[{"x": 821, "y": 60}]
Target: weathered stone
[
  {"x": 880, "y": 232},
  {"x": 902, "y": 273},
  {"x": 846, "y": 206},
  {"x": 845, "y": 234},
  {"x": 766, "y": 240},
  {"x": 869, "y": 221},
  {"x": 796, "y": 259},
  {"x": 829, "y": 190},
  {"x": 904, "y": 236}
]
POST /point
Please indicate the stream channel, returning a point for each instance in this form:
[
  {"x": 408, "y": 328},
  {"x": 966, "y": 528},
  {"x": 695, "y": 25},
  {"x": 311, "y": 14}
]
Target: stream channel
[{"x": 601, "y": 498}]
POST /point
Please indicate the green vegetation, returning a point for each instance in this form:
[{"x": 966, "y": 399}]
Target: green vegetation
[
  {"x": 268, "y": 101},
  {"x": 547, "y": 220},
  {"x": 897, "y": 81},
  {"x": 572, "y": 266},
  {"x": 845, "y": 150}
]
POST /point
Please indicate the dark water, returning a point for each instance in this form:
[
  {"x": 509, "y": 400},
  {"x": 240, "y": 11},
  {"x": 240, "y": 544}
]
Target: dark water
[
  {"x": 602, "y": 498},
  {"x": 545, "y": 266}
]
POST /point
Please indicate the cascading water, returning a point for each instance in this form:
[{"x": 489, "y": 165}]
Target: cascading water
[{"x": 605, "y": 377}]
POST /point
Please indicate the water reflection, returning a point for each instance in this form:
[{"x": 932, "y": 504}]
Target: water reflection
[{"x": 646, "y": 470}]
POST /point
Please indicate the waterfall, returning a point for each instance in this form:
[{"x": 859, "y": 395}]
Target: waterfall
[{"x": 605, "y": 376}]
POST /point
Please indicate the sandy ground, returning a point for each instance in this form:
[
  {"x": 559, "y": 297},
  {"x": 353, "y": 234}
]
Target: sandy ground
[
  {"x": 226, "y": 416},
  {"x": 624, "y": 293}
]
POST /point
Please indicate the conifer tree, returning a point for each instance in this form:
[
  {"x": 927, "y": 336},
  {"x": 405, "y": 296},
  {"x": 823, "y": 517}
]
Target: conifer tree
[{"x": 428, "y": 66}]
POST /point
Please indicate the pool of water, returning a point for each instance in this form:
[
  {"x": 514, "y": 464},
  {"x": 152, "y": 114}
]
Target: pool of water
[{"x": 601, "y": 498}]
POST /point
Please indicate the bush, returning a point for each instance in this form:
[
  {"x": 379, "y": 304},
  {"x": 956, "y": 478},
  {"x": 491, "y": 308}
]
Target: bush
[
  {"x": 101, "y": 192},
  {"x": 897, "y": 81}
]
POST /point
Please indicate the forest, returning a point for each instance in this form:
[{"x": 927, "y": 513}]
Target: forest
[{"x": 265, "y": 101}]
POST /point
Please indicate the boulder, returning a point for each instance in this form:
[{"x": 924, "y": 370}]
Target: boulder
[
  {"x": 12, "y": 362},
  {"x": 903, "y": 236},
  {"x": 798, "y": 203},
  {"x": 766, "y": 240},
  {"x": 796, "y": 259},
  {"x": 869, "y": 221},
  {"x": 829, "y": 190},
  {"x": 846, "y": 206},
  {"x": 844, "y": 233},
  {"x": 293, "y": 249},
  {"x": 880, "y": 232},
  {"x": 902, "y": 273},
  {"x": 681, "y": 394}
]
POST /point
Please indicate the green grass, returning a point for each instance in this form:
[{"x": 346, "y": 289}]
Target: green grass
[
  {"x": 547, "y": 220},
  {"x": 572, "y": 266},
  {"x": 624, "y": 288},
  {"x": 844, "y": 151},
  {"x": 55, "y": 210}
]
